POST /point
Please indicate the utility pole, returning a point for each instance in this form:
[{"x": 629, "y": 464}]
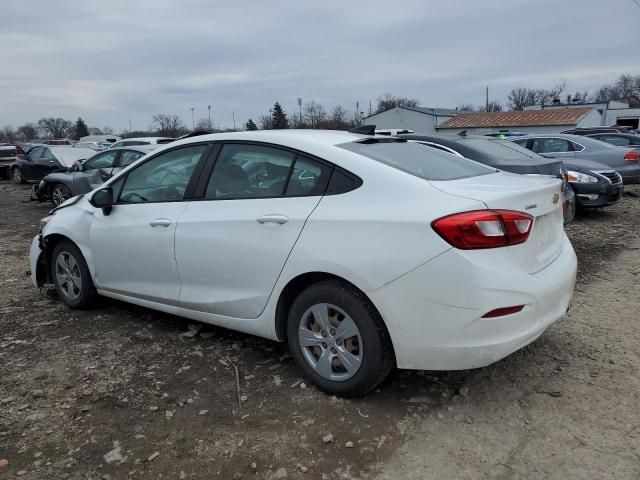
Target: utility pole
[
  {"x": 300, "y": 108},
  {"x": 209, "y": 107},
  {"x": 234, "y": 120},
  {"x": 358, "y": 120},
  {"x": 193, "y": 121},
  {"x": 487, "y": 100},
  {"x": 369, "y": 107},
  {"x": 129, "y": 126}
]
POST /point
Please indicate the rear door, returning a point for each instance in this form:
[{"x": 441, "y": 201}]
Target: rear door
[
  {"x": 232, "y": 244},
  {"x": 43, "y": 164}
]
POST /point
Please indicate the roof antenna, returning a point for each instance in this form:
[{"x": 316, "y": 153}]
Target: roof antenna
[
  {"x": 364, "y": 130},
  {"x": 463, "y": 133}
]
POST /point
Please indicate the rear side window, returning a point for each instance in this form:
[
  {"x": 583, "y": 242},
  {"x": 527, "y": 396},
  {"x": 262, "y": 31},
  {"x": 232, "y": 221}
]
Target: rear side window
[
  {"x": 418, "y": 160},
  {"x": 309, "y": 177}
]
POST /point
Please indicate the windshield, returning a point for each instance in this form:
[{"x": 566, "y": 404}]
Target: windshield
[
  {"x": 418, "y": 160},
  {"x": 501, "y": 149}
]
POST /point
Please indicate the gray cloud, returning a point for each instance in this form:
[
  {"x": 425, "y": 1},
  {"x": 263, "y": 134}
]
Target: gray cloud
[{"x": 111, "y": 62}]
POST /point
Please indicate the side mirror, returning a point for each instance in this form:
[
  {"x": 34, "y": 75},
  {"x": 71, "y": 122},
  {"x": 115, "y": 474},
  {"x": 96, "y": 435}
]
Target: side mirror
[
  {"x": 103, "y": 199},
  {"x": 79, "y": 167}
]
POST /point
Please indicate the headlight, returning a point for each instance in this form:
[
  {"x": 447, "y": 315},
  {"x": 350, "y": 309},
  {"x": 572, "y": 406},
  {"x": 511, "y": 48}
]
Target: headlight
[
  {"x": 44, "y": 221},
  {"x": 577, "y": 177}
]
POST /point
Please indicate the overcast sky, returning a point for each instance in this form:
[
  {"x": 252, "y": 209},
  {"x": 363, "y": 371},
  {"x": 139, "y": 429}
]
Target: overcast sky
[{"x": 120, "y": 60}]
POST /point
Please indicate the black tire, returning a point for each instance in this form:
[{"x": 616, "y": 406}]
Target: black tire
[
  {"x": 59, "y": 192},
  {"x": 86, "y": 293},
  {"x": 17, "y": 176},
  {"x": 377, "y": 358}
]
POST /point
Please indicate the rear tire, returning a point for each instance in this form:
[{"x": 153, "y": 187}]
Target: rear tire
[
  {"x": 71, "y": 276},
  {"x": 338, "y": 339},
  {"x": 16, "y": 175},
  {"x": 59, "y": 194}
]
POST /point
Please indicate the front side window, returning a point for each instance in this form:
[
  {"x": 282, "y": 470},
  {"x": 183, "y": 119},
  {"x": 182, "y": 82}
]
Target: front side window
[
  {"x": 104, "y": 160},
  {"x": 128, "y": 157},
  {"x": 551, "y": 145},
  {"x": 418, "y": 160},
  {"x": 249, "y": 171},
  {"x": 163, "y": 178}
]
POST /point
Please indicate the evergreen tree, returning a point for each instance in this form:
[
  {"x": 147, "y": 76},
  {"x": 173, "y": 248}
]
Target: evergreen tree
[
  {"x": 279, "y": 118},
  {"x": 81, "y": 129},
  {"x": 251, "y": 125}
]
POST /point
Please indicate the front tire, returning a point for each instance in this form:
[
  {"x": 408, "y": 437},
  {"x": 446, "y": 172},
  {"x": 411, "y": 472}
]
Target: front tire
[
  {"x": 338, "y": 339},
  {"x": 16, "y": 175},
  {"x": 59, "y": 194},
  {"x": 71, "y": 276}
]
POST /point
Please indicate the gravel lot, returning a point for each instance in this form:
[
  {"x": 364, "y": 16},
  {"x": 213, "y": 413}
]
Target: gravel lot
[{"x": 125, "y": 392}]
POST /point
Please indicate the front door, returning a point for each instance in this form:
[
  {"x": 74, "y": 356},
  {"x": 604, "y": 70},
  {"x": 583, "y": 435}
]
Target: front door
[
  {"x": 232, "y": 245},
  {"x": 133, "y": 246}
]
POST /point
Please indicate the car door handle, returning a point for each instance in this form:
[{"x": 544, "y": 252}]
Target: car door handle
[
  {"x": 272, "y": 218},
  {"x": 160, "y": 222}
]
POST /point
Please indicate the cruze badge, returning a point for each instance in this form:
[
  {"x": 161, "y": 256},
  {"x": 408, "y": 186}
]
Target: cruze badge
[{"x": 556, "y": 197}]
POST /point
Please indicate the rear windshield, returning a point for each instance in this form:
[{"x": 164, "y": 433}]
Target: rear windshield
[
  {"x": 500, "y": 149},
  {"x": 418, "y": 160}
]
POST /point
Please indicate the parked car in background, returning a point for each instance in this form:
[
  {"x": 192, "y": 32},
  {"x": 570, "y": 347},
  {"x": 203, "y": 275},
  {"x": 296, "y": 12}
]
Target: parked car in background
[
  {"x": 130, "y": 142},
  {"x": 59, "y": 142},
  {"x": 8, "y": 155},
  {"x": 624, "y": 160},
  {"x": 97, "y": 146},
  {"x": 619, "y": 139},
  {"x": 89, "y": 174},
  {"x": 44, "y": 159},
  {"x": 502, "y": 155},
  {"x": 590, "y": 130},
  {"x": 482, "y": 265},
  {"x": 596, "y": 185}
]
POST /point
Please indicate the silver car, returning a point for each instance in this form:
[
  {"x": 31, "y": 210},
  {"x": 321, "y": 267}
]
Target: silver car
[
  {"x": 625, "y": 160},
  {"x": 84, "y": 177}
]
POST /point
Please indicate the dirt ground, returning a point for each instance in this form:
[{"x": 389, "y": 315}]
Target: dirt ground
[{"x": 126, "y": 392}]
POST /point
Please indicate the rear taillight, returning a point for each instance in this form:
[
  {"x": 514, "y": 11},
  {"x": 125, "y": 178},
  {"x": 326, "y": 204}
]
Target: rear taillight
[
  {"x": 484, "y": 228},
  {"x": 632, "y": 156}
]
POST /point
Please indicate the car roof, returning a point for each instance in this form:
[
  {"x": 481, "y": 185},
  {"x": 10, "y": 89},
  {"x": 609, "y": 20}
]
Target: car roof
[
  {"x": 142, "y": 139},
  {"x": 289, "y": 136},
  {"x": 139, "y": 148}
]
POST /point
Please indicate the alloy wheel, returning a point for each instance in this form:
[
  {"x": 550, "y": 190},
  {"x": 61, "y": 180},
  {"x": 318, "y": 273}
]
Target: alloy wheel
[
  {"x": 60, "y": 194},
  {"x": 330, "y": 342},
  {"x": 68, "y": 275}
]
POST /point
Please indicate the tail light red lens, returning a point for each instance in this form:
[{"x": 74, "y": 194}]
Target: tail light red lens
[
  {"x": 484, "y": 228},
  {"x": 632, "y": 156}
]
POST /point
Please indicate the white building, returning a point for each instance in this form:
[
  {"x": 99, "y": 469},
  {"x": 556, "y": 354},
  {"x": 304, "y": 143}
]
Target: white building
[
  {"x": 101, "y": 138},
  {"x": 611, "y": 113},
  {"x": 526, "y": 121},
  {"x": 418, "y": 119}
]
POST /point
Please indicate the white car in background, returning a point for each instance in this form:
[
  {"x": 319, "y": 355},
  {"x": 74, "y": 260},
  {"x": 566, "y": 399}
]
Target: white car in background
[
  {"x": 363, "y": 252},
  {"x": 130, "y": 142}
]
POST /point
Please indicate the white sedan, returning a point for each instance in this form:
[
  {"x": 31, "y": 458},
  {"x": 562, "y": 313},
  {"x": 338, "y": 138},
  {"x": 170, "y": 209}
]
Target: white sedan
[{"x": 363, "y": 252}]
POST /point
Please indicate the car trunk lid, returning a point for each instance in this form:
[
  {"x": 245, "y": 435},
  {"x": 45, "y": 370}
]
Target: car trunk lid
[{"x": 540, "y": 197}]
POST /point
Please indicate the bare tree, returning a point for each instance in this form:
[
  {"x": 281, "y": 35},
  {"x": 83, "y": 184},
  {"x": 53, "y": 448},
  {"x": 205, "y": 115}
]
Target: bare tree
[
  {"x": 168, "y": 125},
  {"x": 204, "y": 124},
  {"x": 28, "y": 131},
  {"x": 314, "y": 114},
  {"x": 494, "y": 106},
  {"x": 8, "y": 134},
  {"x": 55, "y": 127},
  {"x": 266, "y": 122},
  {"x": 466, "y": 107},
  {"x": 108, "y": 130},
  {"x": 388, "y": 101},
  {"x": 519, "y": 98}
]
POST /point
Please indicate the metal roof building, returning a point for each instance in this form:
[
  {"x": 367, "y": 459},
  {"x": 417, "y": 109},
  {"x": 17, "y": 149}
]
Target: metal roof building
[{"x": 418, "y": 119}]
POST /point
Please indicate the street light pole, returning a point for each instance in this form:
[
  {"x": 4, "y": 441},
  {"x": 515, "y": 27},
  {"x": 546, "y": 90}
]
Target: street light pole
[
  {"x": 193, "y": 120},
  {"x": 209, "y": 107},
  {"x": 234, "y": 120},
  {"x": 300, "y": 107}
]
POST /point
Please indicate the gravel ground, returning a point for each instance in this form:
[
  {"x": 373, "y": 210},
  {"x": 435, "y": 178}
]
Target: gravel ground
[{"x": 125, "y": 392}]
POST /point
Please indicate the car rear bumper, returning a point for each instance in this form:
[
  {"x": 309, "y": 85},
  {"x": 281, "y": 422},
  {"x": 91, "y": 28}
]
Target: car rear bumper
[
  {"x": 594, "y": 195},
  {"x": 630, "y": 173},
  {"x": 434, "y": 313}
]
